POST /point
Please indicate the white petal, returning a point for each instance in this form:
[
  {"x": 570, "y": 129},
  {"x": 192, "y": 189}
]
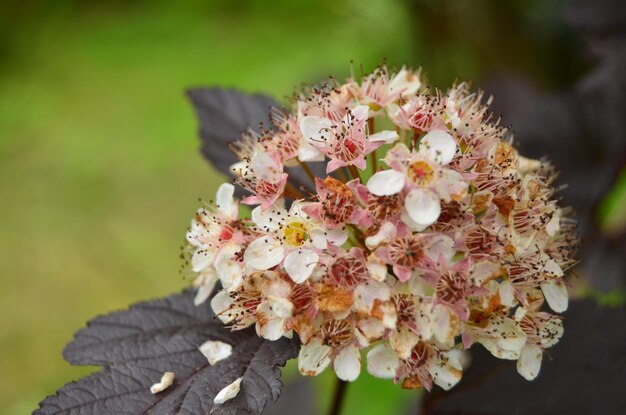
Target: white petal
[
  {"x": 529, "y": 362},
  {"x": 229, "y": 271},
  {"x": 386, "y": 233},
  {"x": 202, "y": 258},
  {"x": 552, "y": 268},
  {"x": 206, "y": 283},
  {"x": 556, "y": 295},
  {"x": 414, "y": 226},
  {"x": 270, "y": 326},
  {"x": 314, "y": 358},
  {"x": 444, "y": 324},
  {"x": 365, "y": 294},
  {"x": 507, "y": 294},
  {"x": 439, "y": 146},
  {"x": 386, "y": 182},
  {"x": 360, "y": 112},
  {"x": 405, "y": 81},
  {"x": 280, "y": 306},
  {"x": 507, "y": 338},
  {"x": 371, "y": 328},
  {"x": 423, "y": 206},
  {"x": 377, "y": 269},
  {"x": 386, "y": 137},
  {"x": 554, "y": 330},
  {"x": 220, "y": 303},
  {"x": 215, "y": 351},
  {"x": 266, "y": 219},
  {"x": 224, "y": 200},
  {"x": 337, "y": 237},
  {"x": 315, "y": 129},
  {"x": 555, "y": 223},
  {"x": 484, "y": 271},
  {"x": 265, "y": 167},
  {"x": 264, "y": 253},
  {"x": 300, "y": 264},
  {"x": 228, "y": 393},
  {"x": 445, "y": 376},
  {"x": 441, "y": 246},
  {"x": 309, "y": 153},
  {"x": 402, "y": 341},
  {"x": 166, "y": 381},
  {"x": 347, "y": 364},
  {"x": 382, "y": 361}
]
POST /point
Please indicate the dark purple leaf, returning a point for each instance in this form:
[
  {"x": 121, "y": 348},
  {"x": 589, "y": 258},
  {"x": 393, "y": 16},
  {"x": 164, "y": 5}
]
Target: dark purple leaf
[
  {"x": 135, "y": 347},
  {"x": 224, "y": 114},
  {"x": 584, "y": 375}
]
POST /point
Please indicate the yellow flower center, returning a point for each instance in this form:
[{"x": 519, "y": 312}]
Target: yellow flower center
[
  {"x": 420, "y": 173},
  {"x": 296, "y": 233}
]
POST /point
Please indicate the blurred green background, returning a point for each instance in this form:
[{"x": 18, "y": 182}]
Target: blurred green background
[{"x": 99, "y": 164}]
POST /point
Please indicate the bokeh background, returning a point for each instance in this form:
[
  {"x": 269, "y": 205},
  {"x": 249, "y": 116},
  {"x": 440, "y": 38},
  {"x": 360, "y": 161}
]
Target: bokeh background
[{"x": 99, "y": 164}]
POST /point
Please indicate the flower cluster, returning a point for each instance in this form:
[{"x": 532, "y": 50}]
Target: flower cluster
[{"x": 426, "y": 235}]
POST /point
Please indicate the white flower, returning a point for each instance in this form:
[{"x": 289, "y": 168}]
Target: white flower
[
  {"x": 216, "y": 236},
  {"x": 424, "y": 176},
  {"x": 290, "y": 236}
]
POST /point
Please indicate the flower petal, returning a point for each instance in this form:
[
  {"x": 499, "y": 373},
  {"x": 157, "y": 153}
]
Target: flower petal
[
  {"x": 529, "y": 362},
  {"x": 386, "y": 182},
  {"x": 300, "y": 264},
  {"x": 224, "y": 200},
  {"x": 382, "y": 361},
  {"x": 269, "y": 326},
  {"x": 347, "y": 364},
  {"x": 405, "y": 81},
  {"x": 206, "y": 283},
  {"x": 555, "y": 293},
  {"x": 228, "y": 393},
  {"x": 166, "y": 381},
  {"x": 201, "y": 258},
  {"x": 386, "y": 137},
  {"x": 229, "y": 270},
  {"x": 215, "y": 351},
  {"x": 266, "y": 168},
  {"x": 264, "y": 253},
  {"x": 314, "y": 358},
  {"x": 444, "y": 375},
  {"x": 365, "y": 294},
  {"x": 265, "y": 219},
  {"x": 315, "y": 129},
  {"x": 337, "y": 237},
  {"x": 385, "y": 234},
  {"x": 220, "y": 303},
  {"x": 402, "y": 341},
  {"x": 423, "y": 206},
  {"x": 506, "y": 293},
  {"x": 440, "y": 146}
]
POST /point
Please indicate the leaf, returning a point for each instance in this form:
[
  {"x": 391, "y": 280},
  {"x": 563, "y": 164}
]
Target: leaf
[
  {"x": 583, "y": 374},
  {"x": 224, "y": 114},
  {"x": 135, "y": 347}
]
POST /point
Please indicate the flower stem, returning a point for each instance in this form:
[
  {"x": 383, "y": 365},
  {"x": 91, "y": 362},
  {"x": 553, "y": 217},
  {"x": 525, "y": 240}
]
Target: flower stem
[
  {"x": 340, "y": 393},
  {"x": 307, "y": 170}
]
